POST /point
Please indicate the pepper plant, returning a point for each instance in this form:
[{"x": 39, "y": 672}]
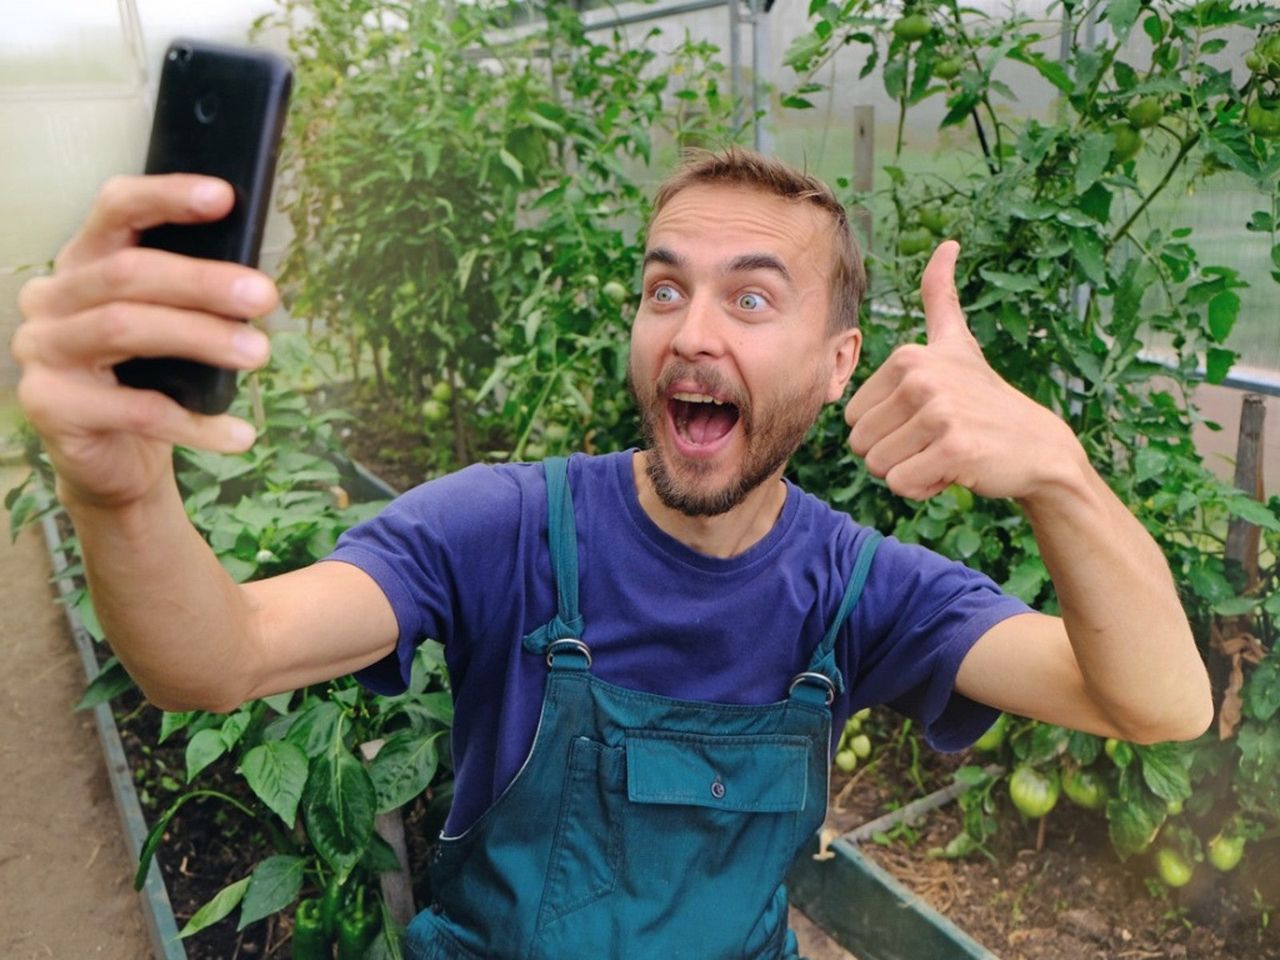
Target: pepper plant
[{"x": 1073, "y": 283}]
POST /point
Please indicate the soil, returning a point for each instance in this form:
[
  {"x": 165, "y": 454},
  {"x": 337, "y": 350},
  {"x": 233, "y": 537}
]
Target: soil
[{"x": 64, "y": 870}]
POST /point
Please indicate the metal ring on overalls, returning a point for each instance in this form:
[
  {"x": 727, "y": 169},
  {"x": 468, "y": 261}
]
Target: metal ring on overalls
[
  {"x": 578, "y": 645},
  {"x": 821, "y": 678}
]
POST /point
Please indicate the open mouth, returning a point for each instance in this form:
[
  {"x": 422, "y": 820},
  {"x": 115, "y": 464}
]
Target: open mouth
[{"x": 700, "y": 419}]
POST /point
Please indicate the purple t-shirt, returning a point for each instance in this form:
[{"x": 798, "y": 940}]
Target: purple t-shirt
[{"x": 464, "y": 560}]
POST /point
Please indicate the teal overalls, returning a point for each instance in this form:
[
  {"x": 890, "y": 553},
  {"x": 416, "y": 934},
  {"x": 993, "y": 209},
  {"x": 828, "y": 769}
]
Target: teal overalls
[{"x": 639, "y": 825}]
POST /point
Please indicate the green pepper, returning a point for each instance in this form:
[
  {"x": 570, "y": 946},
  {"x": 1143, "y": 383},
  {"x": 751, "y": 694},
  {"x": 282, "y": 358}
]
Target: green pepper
[
  {"x": 356, "y": 930},
  {"x": 310, "y": 942}
]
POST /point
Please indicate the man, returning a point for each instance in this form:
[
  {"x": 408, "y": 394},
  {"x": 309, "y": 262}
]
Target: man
[{"x": 646, "y": 649}]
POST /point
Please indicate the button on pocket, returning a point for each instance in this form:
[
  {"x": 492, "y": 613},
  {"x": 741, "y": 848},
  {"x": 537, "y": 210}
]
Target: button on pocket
[{"x": 717, "y": 789}]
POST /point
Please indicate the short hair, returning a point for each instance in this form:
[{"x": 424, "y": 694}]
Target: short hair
[{"x": 738, "y": 166}]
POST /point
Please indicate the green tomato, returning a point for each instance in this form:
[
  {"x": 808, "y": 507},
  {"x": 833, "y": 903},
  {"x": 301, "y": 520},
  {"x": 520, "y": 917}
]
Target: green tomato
[
  {"x": 442, "y": 391},
  {"x": 1254, "y": 61},
  {"x": 991, "y": 741},
  {"x": 264, "y": 556},
  {"x": 861, "y": 746},
  {"x": 847, "y": 761},
  {"x": 912, "y": 27},
  {"x": 1263, "y": 121},
  {"x": 1173, "y": 869},
  {"x": 948, "y": 69},
  {"x": 1225, "y": 852},
  {"x": 433, "y": 412},
  {"x": 862, "y": 714},
  {"x": 963, "y": 497},
  {"x": 913, "y": 242},
  {"x": 1033, "y": 792},
  {"x": 591, "y": 280},
  {"x": 1084, "y": 788},
  {"x": 1110, "y": 745},
  {"x": 1128, "y": 141},
  {"x": 615, "y": 292},
  {"x": 1173, "y": 807},
  {"x": 934, "y": 219},
  {"x": 1147, "y": 112}
]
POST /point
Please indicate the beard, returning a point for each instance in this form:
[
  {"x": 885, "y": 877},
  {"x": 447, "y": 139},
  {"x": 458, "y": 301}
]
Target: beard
[{"x": 772, "y": 435}]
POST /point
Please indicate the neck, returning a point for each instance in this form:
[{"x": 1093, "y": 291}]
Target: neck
[{"x": 725, "y": 535}]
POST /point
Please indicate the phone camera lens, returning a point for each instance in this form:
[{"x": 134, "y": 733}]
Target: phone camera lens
[
  {"x": 180, "y": 53},
  {"x": 207, "y": 108}
]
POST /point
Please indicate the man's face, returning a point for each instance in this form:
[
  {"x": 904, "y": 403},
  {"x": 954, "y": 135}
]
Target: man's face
[{"x": 731, "y": 359}]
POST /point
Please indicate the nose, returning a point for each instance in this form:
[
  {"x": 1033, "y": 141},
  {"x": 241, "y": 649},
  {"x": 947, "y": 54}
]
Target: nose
[{"x": 701, "y": 332}]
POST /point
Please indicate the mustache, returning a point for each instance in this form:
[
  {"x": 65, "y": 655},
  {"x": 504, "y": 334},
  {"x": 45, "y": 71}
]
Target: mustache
[{"x": 705, "y": 380}]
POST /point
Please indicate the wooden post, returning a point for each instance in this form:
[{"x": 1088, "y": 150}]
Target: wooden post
[
  {"x": 1242, "y": 536},
  {"x": 397, "y": 888},
  {"x": 864, "y": 145}
]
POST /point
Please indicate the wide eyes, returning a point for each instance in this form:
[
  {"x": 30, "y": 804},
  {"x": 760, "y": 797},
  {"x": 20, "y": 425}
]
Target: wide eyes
[{"x": 665, "y": 293}]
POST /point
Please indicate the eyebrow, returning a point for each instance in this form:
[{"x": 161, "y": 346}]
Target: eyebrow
[{"x": 739, "y": 264}]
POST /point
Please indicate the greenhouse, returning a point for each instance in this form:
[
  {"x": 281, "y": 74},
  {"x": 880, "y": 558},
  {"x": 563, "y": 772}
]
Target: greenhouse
[{"x": 710, "y": 478}]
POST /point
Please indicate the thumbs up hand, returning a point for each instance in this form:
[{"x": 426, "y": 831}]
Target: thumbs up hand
[{"x": 937, "y": 414}]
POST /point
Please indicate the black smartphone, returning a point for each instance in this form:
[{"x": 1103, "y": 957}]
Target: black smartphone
[{"x": 220, "y": 111}]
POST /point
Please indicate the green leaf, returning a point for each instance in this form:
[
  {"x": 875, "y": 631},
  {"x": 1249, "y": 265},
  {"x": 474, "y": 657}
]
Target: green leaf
[
  {"x": 279, "y": 702},
  {"x": 171, "y": 723},
  {"x": 1086, "y": 247},
  {"x": 512, "y": 164},
  {"x": 1262, "y": 691},
  {"x": 277, "y": 772},
  {"x": 1014, "y": 282},
  {"x": 339, "y": 806},
  {"x": 223, "y": 902},
  {"x": 403, "y": 768},
  {"x": 1250, "y": 510},
  {"x": 111, "y": 681},
  {"x": 313, "y": 730},
  {"x": 1026, "y": 579},
  {"x": 1164, "y": 770},
  {"x": 1133, "y": 823},
  {"x": 1223, "y": 310},
  {"x": 203, "y": 749},
  {"x": 380, "y": 857},
  {"x": 1122, "y": 14},
  {"x": 1084, "y": 747},
  {"x": 1095, "y": 154},
  {"x": 1150, "y": 463},
  {"x": 465, "y": 263},
  {"x": 1218, "y": 364},
  {"x": 274, "y": 884}
]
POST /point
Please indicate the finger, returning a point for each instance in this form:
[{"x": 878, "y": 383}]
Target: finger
[
  {"x": 943, "y": 317},
  {"x": 153, "y": 276},
  {"x": 878, "y": 422},
  {"x": 74, "y": 404},
  {"x": 919, "y": 477},
  {"x": 898, "y": 446},
  {"x": 106, "y": 335},
  {"x": 881, "y": 384},
  {"x": 125, "y": 206}
]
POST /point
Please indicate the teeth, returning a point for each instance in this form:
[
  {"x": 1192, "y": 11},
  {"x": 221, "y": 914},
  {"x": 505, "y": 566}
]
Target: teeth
[{"x": 697, "y": 398}]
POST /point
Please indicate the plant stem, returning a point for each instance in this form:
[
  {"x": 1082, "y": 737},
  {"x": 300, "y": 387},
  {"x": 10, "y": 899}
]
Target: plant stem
[{"x": 1186, "y": 147}]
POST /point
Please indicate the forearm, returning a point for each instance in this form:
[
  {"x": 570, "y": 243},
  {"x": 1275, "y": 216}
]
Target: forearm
[
  {"x": 172, "y": 614},
  {"x": 1131, "y": 640}
]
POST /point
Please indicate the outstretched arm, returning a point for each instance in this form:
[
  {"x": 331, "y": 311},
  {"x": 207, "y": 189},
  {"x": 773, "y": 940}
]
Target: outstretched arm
[{"x": 1121, "y": 661}]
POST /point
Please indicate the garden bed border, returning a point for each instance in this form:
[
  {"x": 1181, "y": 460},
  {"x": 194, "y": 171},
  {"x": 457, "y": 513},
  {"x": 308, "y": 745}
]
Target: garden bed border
[{"x": 162, "y": 929}]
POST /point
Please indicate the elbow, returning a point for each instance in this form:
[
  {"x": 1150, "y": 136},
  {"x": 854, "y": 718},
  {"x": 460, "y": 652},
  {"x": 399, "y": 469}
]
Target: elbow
[
  {"x": 1182, "y": 719},
  {"x": 180, "y": 701}
]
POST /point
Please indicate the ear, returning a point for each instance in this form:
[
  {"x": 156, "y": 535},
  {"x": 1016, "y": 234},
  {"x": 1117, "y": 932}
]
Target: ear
[{"x": 847, "y": 347}]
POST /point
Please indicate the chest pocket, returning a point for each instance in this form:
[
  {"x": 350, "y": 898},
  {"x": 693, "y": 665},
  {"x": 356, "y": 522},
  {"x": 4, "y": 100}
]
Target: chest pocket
[{"x": 735, "y": 774}]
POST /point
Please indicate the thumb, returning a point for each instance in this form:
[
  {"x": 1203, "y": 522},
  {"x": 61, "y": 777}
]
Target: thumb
[{"x": 943, "y": 318}]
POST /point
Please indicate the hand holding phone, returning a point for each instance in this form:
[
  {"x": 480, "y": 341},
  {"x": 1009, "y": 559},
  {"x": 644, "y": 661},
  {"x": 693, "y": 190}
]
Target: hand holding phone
[{"x": 220, "y": 111}]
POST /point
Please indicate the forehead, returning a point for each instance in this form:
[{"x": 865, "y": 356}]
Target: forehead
[{"x": 721, "y": 222}]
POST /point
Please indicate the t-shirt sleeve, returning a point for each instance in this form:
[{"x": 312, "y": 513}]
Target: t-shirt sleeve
[
  {"x": 435, "y": 552},
  {"x": 919, "y": 615}
]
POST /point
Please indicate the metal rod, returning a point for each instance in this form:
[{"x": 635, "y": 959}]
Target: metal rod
[
  {"x": 693, "y": 6},
  {"x": 735, "y": 66}
]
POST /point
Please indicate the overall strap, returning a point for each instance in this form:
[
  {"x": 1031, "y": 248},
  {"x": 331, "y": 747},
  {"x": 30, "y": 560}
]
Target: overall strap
[
  {"x": 822, "y": 665},
  {"x": 564, "y": 631}
]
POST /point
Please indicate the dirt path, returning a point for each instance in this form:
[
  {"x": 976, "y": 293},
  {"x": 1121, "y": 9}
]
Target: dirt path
[{"x": 64, "y": 870}]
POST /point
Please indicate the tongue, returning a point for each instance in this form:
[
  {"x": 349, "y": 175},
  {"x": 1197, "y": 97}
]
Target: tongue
[{"x": 708, "y": 422}]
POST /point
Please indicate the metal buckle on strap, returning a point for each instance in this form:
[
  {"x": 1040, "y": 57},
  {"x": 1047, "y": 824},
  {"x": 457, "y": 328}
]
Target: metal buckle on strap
[
  {"x": 821, "y": 678},
  {"x": 577, "y": 645}
]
